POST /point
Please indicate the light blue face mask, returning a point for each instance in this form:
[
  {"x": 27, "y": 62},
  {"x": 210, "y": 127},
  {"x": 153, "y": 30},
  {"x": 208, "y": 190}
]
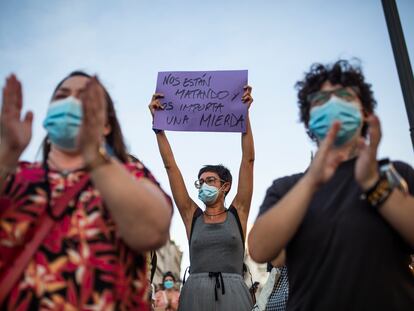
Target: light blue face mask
[
  {"x": 62, "y": 122},
  {"x": 110, "y": 150},
  {"x": 208, "y": 194},
  {"x": 168, "y": 284},
  {"x": 322, "y": 118}
]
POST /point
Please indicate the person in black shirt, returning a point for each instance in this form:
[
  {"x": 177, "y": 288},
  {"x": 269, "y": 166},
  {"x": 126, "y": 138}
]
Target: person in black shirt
[{"x": 347, "y": 222}]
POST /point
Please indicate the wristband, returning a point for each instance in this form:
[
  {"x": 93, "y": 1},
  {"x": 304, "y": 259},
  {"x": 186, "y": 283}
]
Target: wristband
[
  {"x": 394, "y": 178},
  {"x": 389, "y": 179},
  {"x": 378, "y": 193},
  {"x": 156, "y": 131}
]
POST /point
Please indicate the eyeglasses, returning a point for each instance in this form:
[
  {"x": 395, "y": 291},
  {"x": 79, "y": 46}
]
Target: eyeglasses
[
  {"x": 321, "y": 97},
  {"x": 209, "y": 181}
]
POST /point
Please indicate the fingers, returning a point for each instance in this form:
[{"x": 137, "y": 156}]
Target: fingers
[
  {"x": 28, "y": 121},
  {"x": 327, "y": 143},
  {"x": 12, "y": 97},
  {"x": 93, "y": 121},
  {"x": 157, "y": 96},
  {"x": 337, "y": 159},
  {"x": 4, "y": 106},
  {"x": 374, "y": 133},
  {"x": 28, "y": 118},
  {"x": 93, "y": 106},
  {"x": 18, "y": 90},
  {"x": 247, "y": 96},
  {"x": 374, "y": 136},
  {"x": 98, "y": 97},
  {"x": 94, "y": 95},
  {"x": 361, "y": 144},
  {"x": 85, "y": 98},
  {"x": 155, "y": 103},
  {"x": 247, "y": 91}
]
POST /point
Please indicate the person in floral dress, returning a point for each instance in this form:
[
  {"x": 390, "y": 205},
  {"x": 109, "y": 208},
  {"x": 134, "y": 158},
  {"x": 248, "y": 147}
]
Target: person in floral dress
[{"x": 94, "y": 257}]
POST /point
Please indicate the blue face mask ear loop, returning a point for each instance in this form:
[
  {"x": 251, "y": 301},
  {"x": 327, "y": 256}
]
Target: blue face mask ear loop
[{"x": 109, "y": 149}]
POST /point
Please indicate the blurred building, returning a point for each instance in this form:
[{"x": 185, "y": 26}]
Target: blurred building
[{"x": 168, "y": 259}]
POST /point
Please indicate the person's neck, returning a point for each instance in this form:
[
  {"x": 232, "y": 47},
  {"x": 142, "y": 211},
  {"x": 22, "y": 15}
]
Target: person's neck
[
  {"x": 63, "y": 161},
  {"x": 215, "y": 208}
]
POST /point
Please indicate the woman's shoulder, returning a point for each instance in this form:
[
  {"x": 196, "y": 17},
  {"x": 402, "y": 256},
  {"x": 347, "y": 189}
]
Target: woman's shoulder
[
  {"x": 29, "y": 165},
  {"x": 29, "y": 171},
  {"x": 139, "y": 170},
  {"x": 135, "y": 166}
]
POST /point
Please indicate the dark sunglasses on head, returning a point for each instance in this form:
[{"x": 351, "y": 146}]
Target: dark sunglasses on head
[{"x": 321, "y": 97}]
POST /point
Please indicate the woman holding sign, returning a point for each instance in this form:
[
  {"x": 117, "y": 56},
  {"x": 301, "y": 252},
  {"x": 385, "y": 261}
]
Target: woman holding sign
[{"x": 216, "y": 235}]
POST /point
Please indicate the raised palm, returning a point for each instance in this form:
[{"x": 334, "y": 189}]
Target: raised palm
[
  {"x": 93, "y": 123},
  {"x": 326, "y": 161},
  {"x": 366, "y": 167},
  {"x": 15, "y": 134}
]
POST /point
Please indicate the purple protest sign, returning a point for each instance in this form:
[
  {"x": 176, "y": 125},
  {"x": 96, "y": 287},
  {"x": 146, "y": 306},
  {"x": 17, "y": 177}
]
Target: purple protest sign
[{"x": 204, "y": 101}]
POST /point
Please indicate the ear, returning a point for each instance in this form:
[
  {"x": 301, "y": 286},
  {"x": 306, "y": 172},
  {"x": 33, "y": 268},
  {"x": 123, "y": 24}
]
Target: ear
[
  {"x": 107, "y": 129},
  {"x": 365, "y": 114},
  {"x": 226, "y": 187}
]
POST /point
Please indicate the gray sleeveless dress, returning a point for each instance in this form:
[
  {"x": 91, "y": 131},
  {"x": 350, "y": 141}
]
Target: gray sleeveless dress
[{"x": 216, "y": 258}]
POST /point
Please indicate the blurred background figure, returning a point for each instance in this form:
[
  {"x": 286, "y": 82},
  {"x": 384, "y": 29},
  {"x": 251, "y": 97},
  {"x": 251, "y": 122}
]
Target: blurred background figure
[
  {"x": 275, "y": 292},
  {"x": 167, "y": 297}
]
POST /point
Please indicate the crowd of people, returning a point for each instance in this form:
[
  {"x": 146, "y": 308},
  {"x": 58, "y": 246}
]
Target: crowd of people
[{"x": 76, "y": 227}]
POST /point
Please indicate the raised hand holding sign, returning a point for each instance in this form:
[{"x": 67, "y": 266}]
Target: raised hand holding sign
[{"x": 205, "y": 101}]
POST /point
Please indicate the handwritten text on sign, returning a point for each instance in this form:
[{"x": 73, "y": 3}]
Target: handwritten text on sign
[{"x": 205, "y": 101}]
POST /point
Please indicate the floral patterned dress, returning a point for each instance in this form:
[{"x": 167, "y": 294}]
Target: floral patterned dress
[{"x": 82, "y": 264}]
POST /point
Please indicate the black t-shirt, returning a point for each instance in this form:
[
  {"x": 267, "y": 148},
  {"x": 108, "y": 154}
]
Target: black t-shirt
[{"x": 345, "y": 255}]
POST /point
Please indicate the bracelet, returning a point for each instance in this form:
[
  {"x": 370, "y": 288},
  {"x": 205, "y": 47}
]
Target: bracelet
[
  {"x": 394, "y": 178},
  {"x": 378, "y": 193},
  {"x": 156, "y": 131}
]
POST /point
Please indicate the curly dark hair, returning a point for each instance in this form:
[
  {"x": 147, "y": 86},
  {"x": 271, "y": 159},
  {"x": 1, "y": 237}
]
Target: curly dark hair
[
  {"x": 341, "y": 72},
  {"x": 221, "y": 170}
]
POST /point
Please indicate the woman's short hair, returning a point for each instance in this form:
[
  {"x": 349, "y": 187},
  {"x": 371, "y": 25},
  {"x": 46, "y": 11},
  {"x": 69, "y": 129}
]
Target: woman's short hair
[{"x": 222, "y": 171}]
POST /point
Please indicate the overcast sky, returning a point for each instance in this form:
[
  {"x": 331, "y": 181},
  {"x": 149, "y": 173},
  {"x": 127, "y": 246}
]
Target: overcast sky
[{"x": 127, "y": 42}]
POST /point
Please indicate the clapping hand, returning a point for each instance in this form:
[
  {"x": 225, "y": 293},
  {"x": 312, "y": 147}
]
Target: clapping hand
[{"x": 91, "y": 132}]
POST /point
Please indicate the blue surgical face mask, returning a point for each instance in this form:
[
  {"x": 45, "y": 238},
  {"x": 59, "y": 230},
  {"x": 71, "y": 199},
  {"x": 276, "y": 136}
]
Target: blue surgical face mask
[
  {"x": 168, "y": 284},
  {"x": 63, "y": 121},
  {"x": 208, "y": 194},
  {"x": 322, "y": 118}
]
